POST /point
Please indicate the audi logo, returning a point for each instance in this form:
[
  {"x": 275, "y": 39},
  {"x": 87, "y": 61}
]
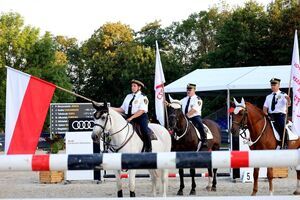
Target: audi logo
[{"x": 82, "y": 124}]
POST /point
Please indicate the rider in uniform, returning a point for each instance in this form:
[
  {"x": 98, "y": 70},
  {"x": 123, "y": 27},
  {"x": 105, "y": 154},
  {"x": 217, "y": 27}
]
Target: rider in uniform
[
  {"x": 135, "y": 106},
  {"x": 275, "y": 106},
  {"x": 191, "y": 107}
]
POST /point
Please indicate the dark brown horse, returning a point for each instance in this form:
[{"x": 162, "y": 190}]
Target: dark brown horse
[
  {"x": 185, "y": 139},
  {"x": 246, "y": 115}
]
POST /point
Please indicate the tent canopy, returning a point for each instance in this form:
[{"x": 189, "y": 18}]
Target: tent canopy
[{"x": 238, "y": 78}]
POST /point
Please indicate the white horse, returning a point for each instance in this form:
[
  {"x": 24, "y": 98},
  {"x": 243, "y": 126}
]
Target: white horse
[{"x": 124, "y": 139}]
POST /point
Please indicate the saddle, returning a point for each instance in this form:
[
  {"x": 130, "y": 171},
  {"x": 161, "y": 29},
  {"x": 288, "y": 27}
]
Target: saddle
[
  {"x": 209, "y": 135},
  {"x": 137, "y": 129}
]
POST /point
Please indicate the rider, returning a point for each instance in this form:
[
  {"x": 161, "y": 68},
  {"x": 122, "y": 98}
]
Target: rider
[
  {"x": 135, "y": 106},
  {"x": 276, "y": 106},
  {"x": 191, "y": 107}
]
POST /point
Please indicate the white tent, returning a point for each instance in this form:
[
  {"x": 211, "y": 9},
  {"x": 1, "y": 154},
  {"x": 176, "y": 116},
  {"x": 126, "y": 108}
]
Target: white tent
[
  {"x": 238, "y": 78},
  {"x": 230, "y": 79}
]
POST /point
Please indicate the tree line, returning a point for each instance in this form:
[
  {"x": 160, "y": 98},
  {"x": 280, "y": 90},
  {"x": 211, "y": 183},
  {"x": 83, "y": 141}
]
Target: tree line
[{"x": 102, "y": 66}]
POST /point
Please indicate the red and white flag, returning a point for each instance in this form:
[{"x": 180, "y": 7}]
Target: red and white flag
[
  {"x": 159, "y": 89},
  {"x": 295, "y": 73},
  {"x": 27, "y": 102}
]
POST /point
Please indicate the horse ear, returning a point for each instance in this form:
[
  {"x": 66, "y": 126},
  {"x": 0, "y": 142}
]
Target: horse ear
[
  {"x": 235, "y": 101},
  {"x": 243, "y": 102},
  {"x": 171, "y": 99}
]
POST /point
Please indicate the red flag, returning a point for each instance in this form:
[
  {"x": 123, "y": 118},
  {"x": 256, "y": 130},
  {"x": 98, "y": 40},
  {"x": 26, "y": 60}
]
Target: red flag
[{"x": 27, "y": 102}]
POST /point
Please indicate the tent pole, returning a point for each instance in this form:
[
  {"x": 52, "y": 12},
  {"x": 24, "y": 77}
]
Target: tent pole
[{"x": 228, "y": 114}]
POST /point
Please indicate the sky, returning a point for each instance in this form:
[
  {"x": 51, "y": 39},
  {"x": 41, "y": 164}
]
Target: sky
[{"x": 80, "y": 18}]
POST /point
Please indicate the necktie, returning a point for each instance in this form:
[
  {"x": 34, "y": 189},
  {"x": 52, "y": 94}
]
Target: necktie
[
  {"x": 187, "y": 106},
  {"x": 130, "y": 106},
  {"x": 273, "y": 102}
]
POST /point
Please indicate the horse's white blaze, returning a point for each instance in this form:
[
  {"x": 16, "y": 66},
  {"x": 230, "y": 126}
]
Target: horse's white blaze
[{"x": 134, "y": 145}]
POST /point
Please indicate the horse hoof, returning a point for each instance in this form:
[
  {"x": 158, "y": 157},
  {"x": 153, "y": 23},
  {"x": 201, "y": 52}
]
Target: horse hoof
[
  {"x": 214, "y": 189},
  {"x": 193, "y": 192},
  {"x": 296, "y": 192},
  {"x": 180, "y": 193},
  {"x": 120, "y": 193},
  {"x": 253, "y": 194},
  {"x": 208, "y": 188},
  {"x": 132, "y": 194}
]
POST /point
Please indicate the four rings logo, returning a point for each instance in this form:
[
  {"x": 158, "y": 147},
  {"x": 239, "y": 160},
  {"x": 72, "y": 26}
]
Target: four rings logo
[{"x": 81, "y": 124}]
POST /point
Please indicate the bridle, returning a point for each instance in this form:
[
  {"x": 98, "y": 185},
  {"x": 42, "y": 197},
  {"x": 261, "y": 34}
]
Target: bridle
[
  {"x": 243, "y": 126},
  {"x": 176, "y": 137},
  {"x": 105, "y": 134}
]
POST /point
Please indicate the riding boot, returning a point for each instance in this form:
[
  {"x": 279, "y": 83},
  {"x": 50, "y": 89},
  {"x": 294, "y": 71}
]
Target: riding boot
[
  {"x": 203, "y": 140},
  {"x": 147, "y": 142}
]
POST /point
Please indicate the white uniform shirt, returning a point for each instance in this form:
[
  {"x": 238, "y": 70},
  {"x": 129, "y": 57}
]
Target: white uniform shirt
[
  {"x": 280, "y": 106},
  {"x": 140, "y": 102},
  {"x": 195, "y": 103}
]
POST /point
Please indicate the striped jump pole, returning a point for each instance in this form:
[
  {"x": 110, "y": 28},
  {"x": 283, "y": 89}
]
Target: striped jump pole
[{"x": 163, "y": 160}]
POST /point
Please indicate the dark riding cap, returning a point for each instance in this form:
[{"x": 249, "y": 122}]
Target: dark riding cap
[
  {"x": 275, "y": 81},
  {"x": 140, "y": 83},
  {"x": 191, "y": 86}
]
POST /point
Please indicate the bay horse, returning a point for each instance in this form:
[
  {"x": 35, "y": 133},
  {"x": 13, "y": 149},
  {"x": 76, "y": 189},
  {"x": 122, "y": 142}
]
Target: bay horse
[
  {"x": 124, "y": 139},
  {"x": 185, "y": 138},
  {"x": 248, "y": 116}
]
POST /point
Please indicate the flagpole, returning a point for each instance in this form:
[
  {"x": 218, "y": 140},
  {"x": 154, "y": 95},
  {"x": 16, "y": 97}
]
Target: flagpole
[
  {"x": 287, "y": 111},
  {"x": 165, "y": 106},
  {"x": 287, "y": 103},
  {"x": 73, "y": 93}
]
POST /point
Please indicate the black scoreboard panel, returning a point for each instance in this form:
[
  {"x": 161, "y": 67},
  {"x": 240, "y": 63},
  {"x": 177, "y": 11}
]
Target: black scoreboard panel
[{"x": 63, "y": 115}]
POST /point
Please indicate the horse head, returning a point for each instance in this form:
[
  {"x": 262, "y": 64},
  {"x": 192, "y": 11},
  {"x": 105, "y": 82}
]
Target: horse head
[
  {"x": 175, "y": 116},
  {"x": 239, "y": 116},
  {"x": 101, "y": 117}
]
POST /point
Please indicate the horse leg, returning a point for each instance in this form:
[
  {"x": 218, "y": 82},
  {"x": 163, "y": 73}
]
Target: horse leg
[
  {"x": 154, "y": 181},
  {"x": 193, "y": 173},
  {"x": 164, "y": 181},
  {"x": 132, "y": 182},
  {"x": 214, "y": 183},
  {"x": 209, "y": 184},
  {"x": 270, "y": 178},
  {"x": 255, "y": 184},
  {"x": 119, "y": 183},
  {"x": 297, "y": 191},
  {"x": 180, "y": 191}
]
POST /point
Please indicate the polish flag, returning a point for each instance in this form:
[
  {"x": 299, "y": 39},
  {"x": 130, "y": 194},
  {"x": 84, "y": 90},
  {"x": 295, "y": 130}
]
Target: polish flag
[{"x": 27, "y": 102}]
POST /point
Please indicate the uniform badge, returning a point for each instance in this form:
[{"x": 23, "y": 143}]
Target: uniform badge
[
  {"x": 136, "y": 101},
  {"x": 146, "y": 101},
  {"x": 279, "y": 97},
  {"x": 199, "y": 103}
]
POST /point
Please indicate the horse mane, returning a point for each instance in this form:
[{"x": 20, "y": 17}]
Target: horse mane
[{"x": 256, "y": 108}]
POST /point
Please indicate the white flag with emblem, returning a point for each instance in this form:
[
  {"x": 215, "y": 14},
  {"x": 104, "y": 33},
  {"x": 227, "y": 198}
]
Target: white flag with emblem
[
  {"x": 295, "y": 78},
  {"x": 159, "y": 89}
]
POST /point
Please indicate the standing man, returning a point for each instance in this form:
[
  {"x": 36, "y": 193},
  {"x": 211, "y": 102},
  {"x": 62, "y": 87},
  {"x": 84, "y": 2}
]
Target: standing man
[
  {"x": 276, "y": 106},
  {"x": 135, "y": 106},
  {"x": 191, "y": 107}
]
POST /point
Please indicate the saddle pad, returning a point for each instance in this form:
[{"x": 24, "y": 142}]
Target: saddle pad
[
  {"x": 288, "y": 127},
  {"x": 209, "y": 135}
]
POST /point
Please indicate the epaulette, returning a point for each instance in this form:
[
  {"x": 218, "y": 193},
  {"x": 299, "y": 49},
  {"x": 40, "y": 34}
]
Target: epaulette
[
  {"x": 282, "y": 92},
  {"x": 143, "y": 94},
  {"x": 198, "y": 98}
]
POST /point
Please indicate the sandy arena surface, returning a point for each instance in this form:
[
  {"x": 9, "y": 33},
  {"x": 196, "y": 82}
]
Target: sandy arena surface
[{"x": 26, "y": 185}]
